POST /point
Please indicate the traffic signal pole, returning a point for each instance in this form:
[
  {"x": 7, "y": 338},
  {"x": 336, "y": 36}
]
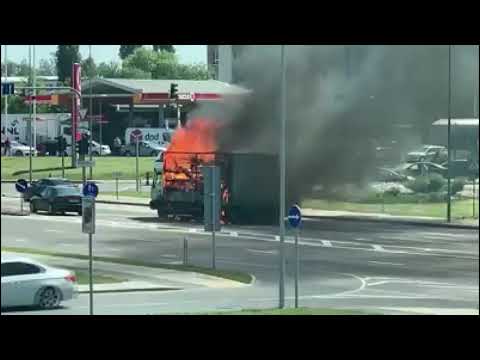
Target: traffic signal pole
[{"x": 283, "y": 116}]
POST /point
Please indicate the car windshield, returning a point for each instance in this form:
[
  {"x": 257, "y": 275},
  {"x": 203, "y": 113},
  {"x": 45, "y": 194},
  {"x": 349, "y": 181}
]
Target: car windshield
[{"x": 65, "y": 191}]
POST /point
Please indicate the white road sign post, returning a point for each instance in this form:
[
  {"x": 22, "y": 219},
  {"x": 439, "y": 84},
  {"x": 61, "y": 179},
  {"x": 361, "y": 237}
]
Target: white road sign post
[
  {"x": 90, "y": 192},
  {"x": 295, "y": 220}
]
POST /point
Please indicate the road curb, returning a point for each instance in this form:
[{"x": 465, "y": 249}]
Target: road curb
[
  {"x": 132, "y": 290},
  {"x": 14, "y": 212},
  {"x": 73, "y": 181},
  {"x": 120, "y": 203},
  {"x": 395, "y": 222}
]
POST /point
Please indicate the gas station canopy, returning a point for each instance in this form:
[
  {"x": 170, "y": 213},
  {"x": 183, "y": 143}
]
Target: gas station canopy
[{"x": 133, "y": 91}]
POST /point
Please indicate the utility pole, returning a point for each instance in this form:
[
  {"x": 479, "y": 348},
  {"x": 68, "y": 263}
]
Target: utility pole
[
  {"x": 90, "y": 112},
  {"x": 283, "y": 116},
  {"x": 449, "y": 140},
  {"x": 30, "y": 114},
  {"x": 34, "y": 101},
  {"x": 6, "y": 79}
]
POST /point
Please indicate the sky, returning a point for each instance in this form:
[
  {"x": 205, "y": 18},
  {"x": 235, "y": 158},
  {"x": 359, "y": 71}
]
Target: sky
[{"x": 188, "y": 54}]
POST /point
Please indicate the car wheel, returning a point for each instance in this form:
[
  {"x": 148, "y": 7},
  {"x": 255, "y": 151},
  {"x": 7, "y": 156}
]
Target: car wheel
[
  {"x": 51, "y": 210},
  {"x": 49, "y": 298},
  {"x": 95, "y": 153},
  {"x": 33, "y": 209},
  {"x": 18, "y": 153}
]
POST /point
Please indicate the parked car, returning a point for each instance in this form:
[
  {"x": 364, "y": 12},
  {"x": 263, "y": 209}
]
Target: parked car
[
  {"x": 158, "y": 162},
  {"x": 429, "y": 153},
  {"x": 390, "y": 175},
  {"x": 28, "y": 283},
  {"x": 38, "y": 186},
  {"x": 19, "y": 149},
  {"x": 97, "y": 149},
  {"x": 100, "y": 150},
  {"x": 421, "y": 169},
  {"x": 54, "y": 199},
  {"x": 145, "y": 148}
]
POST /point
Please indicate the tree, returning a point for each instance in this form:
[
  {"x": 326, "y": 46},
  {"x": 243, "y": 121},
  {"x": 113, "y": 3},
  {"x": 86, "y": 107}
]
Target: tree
[
  {"x": 89, "y": 69},
  {"x": 23, "y": 69},
  {"x": 167, "y": 48},
  {"x": 47, "y": 67},
  {"x": 127, "y": 50},
  {"x": 12, "y": 68},
  {"x": 66, "y": 56},
  {"x": 110, "y": 70}
]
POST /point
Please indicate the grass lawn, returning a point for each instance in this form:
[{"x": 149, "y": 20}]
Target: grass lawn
[
  {"x": 225, "y": 274},
  {"x": 460, "y": 208},
  {"x": 13, "y": 168},
  {"x": 83, "y": 277},
  {"x": 299, "y": 311}
]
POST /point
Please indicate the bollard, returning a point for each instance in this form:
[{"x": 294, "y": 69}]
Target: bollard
[{"x": 148, "y": 178}]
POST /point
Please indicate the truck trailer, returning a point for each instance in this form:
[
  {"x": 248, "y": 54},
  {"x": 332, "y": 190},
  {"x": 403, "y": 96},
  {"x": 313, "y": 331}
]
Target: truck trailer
[{"x": 249, "y": 186}]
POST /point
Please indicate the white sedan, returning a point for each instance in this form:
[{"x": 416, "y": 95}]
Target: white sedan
[
  {"x": 19, "y": 149},
  {"x": 28, "y": 283}
]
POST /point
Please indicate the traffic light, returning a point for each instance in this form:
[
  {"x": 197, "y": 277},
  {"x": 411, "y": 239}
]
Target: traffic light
[{"x": 173, "y": 91}]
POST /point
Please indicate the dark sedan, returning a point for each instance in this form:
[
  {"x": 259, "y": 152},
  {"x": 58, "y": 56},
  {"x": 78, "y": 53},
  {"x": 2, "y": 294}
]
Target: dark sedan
[
  {"x": 38, "y": 186},
  {"x": 55, "y": 199}
]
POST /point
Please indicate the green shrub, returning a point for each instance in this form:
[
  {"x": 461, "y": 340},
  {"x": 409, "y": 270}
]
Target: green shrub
[
  {"x": 437, "y": 197},
  {"x": 437, "y": 182},
  {"x": 419, "y": 185},
  {"x": 458, "y": 184}
]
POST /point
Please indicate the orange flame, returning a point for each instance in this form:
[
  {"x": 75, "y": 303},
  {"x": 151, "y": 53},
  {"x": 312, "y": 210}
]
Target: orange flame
[{"x": 191, "y": 146}]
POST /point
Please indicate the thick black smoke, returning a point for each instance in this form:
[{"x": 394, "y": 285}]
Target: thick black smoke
[{"x": 342, "y": 103}]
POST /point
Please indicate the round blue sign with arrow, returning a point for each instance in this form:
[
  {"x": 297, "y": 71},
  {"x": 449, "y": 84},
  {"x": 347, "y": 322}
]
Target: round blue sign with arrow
[
  {"x": 90, "y": 189},
  {"x": 21, "y": 185},
  {"x": 295, "y": 216}
]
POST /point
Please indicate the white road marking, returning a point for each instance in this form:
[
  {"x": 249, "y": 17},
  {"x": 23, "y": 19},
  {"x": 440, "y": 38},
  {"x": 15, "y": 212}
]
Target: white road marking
[
  {"x": 55, "y": 231},
  {"x": 326, "y": 243},
  {"x": 234, "y": 233},
  {"x": 229, "y": 261},
  {"x": 386, "y": 263},
  {"x": 20, "y": 240},
  {"x": 263, "y": 237},
  {"x": 266, "y": 252}
]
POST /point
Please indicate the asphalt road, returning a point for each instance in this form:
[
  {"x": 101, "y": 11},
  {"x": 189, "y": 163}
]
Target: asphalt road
[{"x": 372, "y": 266}]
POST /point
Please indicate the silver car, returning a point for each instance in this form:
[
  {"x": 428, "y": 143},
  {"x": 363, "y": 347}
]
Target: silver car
[{"x": 28, "y": 283}]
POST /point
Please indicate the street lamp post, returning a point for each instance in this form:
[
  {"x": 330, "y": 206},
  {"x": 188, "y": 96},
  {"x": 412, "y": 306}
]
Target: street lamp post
[
  {"x": 90, "y": 111},
  {"x": 449, "y": 140},
  {"x": 283, "y": 116},
  {"x": 6, "y": 96}
]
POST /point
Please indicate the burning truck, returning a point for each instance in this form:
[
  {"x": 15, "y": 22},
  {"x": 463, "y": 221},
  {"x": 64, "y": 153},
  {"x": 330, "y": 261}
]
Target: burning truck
[{"x": 249, "y": 182}]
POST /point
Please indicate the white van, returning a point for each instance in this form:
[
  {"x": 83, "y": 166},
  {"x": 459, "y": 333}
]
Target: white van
[{"x": 160, "y": 136}]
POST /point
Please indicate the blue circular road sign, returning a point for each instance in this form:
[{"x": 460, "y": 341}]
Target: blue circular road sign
[
  {"x": 21, "y": 185},
  {"x": 295, "y": 216},
  {"x": 90, "y": 189}
]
